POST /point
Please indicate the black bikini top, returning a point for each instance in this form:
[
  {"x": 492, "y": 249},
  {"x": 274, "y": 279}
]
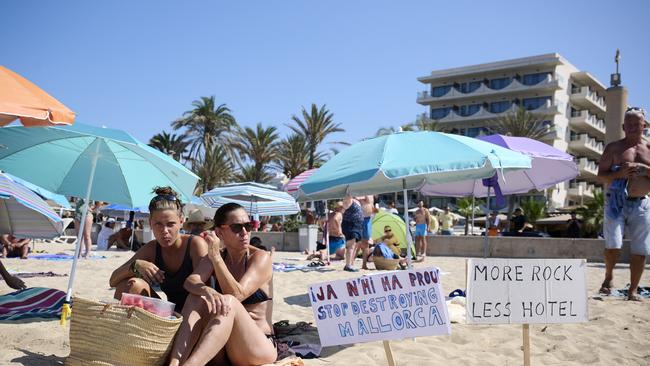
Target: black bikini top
[{"x": 257, "y": 296}]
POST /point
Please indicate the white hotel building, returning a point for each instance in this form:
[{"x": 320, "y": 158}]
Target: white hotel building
[{"x": 465, "y": 100}]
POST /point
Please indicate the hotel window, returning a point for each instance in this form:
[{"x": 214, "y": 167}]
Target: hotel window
[
  {"x": 534, "y": 103},
  {"x": 438, "y": 113},
  {"x": 468, "y": 110},
  {"x": 439, "y": 91},
  {"x": 532, "y": 79},
  {"x": 498, "y": 107},
  {"x": 477, "y": 131},
  {"x": 468, "y": 87},
  {"x": 500, "y": 83}
]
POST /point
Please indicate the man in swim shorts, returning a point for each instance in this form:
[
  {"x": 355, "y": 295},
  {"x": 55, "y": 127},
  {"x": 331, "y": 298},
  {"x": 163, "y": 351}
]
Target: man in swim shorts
[
  {"x": 625, "y": 170},
  {"x": 421, "y": 225}
]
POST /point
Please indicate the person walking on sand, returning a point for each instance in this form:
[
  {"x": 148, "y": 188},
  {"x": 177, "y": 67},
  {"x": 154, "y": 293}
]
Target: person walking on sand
[
  {"x": 368, "y": 208},
  {"x": 624, "y": 168}
]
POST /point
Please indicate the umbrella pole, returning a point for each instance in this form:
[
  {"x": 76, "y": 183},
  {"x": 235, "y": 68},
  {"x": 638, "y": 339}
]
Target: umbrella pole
[
  {"x": 326, "y": 235},
  {"x": 486, "y": 245},
  {"x": 473, "y": 209},
  {"x": 66, "y": 311},
  {"x": 409, "y": 240}
]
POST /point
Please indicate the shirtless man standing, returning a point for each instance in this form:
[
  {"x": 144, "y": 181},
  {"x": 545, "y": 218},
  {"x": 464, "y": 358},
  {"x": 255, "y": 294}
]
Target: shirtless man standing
[
  {"x": 422, "y": 221},
  {"x": 335, "y": 232},
  {"x": 368, "y": 207},
  {"x": 625, "y": 165}
]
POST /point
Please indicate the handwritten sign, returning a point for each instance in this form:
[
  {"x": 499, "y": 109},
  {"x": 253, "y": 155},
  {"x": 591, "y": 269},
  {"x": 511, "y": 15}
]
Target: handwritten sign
[
  {"x": 526, "y": 291},
  {"x": 389, "y": 305}
]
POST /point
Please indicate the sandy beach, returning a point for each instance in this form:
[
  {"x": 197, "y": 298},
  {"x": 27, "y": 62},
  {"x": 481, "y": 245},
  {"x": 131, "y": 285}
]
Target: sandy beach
[{"x": 618, "y": 331}]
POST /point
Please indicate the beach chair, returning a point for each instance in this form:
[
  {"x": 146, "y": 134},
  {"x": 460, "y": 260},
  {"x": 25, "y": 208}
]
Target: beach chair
[{"x": 64, "y": 239}]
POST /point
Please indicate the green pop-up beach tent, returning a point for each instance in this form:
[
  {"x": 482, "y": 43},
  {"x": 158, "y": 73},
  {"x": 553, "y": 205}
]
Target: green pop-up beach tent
[{"x": 383, "y": 219}]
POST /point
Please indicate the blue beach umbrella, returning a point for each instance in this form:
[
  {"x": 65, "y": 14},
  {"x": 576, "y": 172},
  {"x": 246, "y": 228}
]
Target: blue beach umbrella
[
  {"x": 408, "y": 160},
  {"x": 258, "y": 199},
  {"x": 92, "y": 163},
  {"x": 24, "y": 214}
]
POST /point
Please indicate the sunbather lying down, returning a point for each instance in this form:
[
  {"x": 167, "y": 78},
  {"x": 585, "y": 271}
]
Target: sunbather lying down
[{"x": 337, "y": 251}]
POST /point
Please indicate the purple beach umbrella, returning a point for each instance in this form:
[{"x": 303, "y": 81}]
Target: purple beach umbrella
[{"x": 550, "y": 166}]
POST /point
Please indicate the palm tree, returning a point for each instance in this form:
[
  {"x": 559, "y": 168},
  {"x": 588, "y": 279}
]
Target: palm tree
[
  {"x": 421, "y": 124},
  {"x": 391, "y": 130},
  {"x": 205, "y": 124},
  {"x": 522, "y": 124},
  {"x": 248, "y": 173},
  {"x": 534, "y": 209},
  {"x": 171, "y": 144},
  {"x": 315, "y": 126},
  {"x": 258, "y": 145},
  {"x": 593, "y": 214},
  {"x": 292, "y": 156},
  {"x": 214, "y": 168},
  {"x": 464, "y": 206}
]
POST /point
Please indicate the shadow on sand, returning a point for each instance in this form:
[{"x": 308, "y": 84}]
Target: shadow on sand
[{"x": 38, "y": 359}]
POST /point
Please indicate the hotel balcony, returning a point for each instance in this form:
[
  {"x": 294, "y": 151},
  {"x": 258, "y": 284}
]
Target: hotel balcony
[
  {"x": 588, "y": 169},
  {"x": 583, "y": 144},
  {"x": 583, "y": 97},
  {"x": 580, "y": 190},
  {"x": 515, "y": 87},
  {"x": 454, "y": 118},
  {"x": 584, "y": 121}
]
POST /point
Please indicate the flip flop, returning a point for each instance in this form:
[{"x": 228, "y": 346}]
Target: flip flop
[
  {"x": 634, "y": 298},
  {"x": 317, "y": 263},
  {"x": 605, "y": 289}
]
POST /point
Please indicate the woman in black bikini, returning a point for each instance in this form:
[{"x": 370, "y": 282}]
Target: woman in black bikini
[
  {"x": 230, "y": 321},
  {"x": 166, "y": 261}
]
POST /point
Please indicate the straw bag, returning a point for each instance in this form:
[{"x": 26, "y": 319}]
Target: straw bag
[{"x": 116, "y": 335}]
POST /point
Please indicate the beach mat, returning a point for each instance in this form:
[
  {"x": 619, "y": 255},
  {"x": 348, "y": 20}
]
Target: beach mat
[
  {"x": 290, "y": 267},
  {"x": 61, "y": 257},
  {"x": 32, "y": 303}
]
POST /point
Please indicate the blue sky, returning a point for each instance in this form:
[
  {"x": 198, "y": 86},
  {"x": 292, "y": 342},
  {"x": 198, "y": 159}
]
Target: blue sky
[{"x": 138, "y": 65}]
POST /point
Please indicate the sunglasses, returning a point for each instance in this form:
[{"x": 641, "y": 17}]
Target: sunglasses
[
  {"x": 165, "y": 197},
  {"x": 635, "y": 110},
  {"x": 237, "y": 228},
  {"x": 387, "y": 231}
]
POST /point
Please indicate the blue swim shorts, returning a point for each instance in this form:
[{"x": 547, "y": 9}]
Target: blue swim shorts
[
  {"x": 421, "y": 230},
  {"x": 336, "y": 243},
  {"x": 366, "y": 233}
]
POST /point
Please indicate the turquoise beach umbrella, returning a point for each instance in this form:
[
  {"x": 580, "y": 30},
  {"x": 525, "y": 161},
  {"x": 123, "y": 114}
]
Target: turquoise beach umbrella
[
  {"x": 93, "y": 163},
  {"x": 408, "y": 160}
]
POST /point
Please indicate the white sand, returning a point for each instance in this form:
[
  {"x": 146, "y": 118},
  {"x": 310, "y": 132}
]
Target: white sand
[{"x": 618, "y": 331}]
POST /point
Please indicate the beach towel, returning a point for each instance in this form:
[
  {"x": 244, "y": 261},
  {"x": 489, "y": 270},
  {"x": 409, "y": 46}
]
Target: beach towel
[
  {"x": 34, "y": 274},
  {"x": 644, "y": 292},
  {"x": 61, "y": 257},
  {"x": 290, "y": 267},
  {"x": 300, "y": 338},
  {"x": 35, "y": 302}
]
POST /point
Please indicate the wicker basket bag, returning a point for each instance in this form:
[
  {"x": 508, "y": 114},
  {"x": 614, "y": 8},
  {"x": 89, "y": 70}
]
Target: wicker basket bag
[{"x": 116, "y": 335}]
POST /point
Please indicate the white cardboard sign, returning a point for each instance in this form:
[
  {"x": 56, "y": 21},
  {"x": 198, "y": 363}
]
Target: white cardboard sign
[
  {"x": 389, "y": 305},
  {"x": 526, "y": 291}
]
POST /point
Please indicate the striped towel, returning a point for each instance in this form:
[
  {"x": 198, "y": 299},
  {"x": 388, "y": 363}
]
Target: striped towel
[{"x": 36, "y": 302}]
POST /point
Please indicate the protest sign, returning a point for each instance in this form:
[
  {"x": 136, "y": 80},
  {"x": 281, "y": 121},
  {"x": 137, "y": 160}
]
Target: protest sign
[
  {"x": 389, "y": 305},
  {"x": 526, "y": 291}
]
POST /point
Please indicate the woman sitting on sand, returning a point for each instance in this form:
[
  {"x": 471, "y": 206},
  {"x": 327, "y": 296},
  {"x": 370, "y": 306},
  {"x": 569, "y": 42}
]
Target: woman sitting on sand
[
  {"x": 166, "y": 261},
  {"x": 232, "y": 320}
]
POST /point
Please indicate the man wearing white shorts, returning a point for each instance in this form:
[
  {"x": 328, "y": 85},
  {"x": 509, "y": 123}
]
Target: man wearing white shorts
[{"x": 625, "y": 170}]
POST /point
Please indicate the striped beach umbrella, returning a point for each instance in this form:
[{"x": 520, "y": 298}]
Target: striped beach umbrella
[
  {"x": 257, "y": 199},
  {"x": 24, "y": 214},
  {"x": 293, "y": 185}
]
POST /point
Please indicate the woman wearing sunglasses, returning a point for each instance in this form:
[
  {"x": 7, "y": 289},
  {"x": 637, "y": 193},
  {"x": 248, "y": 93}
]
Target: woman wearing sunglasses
[
  {"x": 229, "y": 321},
  {"x": 166, "y": 261}
]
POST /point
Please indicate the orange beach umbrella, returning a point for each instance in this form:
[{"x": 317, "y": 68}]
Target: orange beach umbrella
[{"x": 21, "y": 99}]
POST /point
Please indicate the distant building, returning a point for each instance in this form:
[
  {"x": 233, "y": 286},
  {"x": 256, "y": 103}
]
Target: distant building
[{"x": 466, "y": 100}]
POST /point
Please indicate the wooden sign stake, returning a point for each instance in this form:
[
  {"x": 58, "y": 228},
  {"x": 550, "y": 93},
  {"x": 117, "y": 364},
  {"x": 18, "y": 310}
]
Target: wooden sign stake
[
  {"x": 526, "y": 333},
  {"x": 389, "y": 353}
]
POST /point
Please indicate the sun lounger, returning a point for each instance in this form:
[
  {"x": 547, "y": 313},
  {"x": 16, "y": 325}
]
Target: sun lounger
[{"x": 64, "y": 239}]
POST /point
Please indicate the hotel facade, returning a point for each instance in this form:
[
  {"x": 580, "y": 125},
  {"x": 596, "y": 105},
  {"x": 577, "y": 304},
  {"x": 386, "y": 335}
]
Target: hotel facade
[{"x": 468, "y": 100}]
